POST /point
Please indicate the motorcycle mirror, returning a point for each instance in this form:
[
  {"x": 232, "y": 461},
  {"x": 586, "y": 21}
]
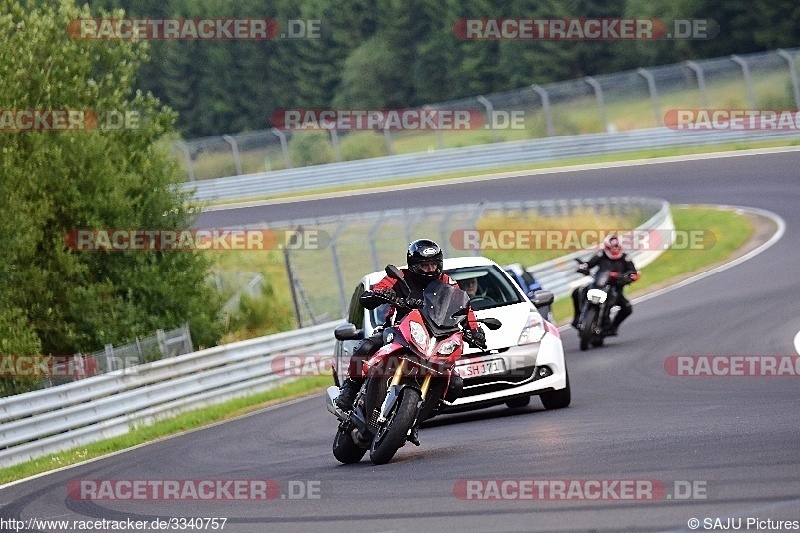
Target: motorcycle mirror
[
  {"x": 348, "y": 332},
  {"x": 394, "y": 273},
  {"x": 542, "y": 298},
  {"x": 491, "y": 323}
]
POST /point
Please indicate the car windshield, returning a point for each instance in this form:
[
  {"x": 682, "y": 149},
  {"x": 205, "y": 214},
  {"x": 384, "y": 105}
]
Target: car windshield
[{"x": 487, "y": 286}]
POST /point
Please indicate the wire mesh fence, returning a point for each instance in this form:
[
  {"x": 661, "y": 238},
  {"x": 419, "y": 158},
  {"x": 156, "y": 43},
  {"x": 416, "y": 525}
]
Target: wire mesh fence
[
  {"x": 323, "y": 279},
  {"x": 623, "y": 101}
]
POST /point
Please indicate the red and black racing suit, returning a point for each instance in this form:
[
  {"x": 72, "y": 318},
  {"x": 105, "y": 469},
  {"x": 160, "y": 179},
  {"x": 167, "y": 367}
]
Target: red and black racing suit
[{"x": 372, "y": 344}]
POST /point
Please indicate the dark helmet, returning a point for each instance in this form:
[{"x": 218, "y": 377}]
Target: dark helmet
[
  {"x": 612, "y": 247},
  {"x": 425, "y": 251}
]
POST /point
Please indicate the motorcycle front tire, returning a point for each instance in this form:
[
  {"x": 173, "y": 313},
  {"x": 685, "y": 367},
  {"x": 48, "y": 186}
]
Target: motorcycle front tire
[{"x": 387, "y": 441}]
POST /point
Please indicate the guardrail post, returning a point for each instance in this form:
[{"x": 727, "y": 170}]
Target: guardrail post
[
  {"x": 489, "y": 115},
  {"x": 747, "y": 81},
  {"x": 284, "y": 146},
  {"x": 598, "y": 93},
  {"x": 235, "y": 148},
  {"x": 701, "y": 81},
  {"x": 793, "y": 74},
  {"x": 651, "y": 85},
  {"x": 548, "y": 112}
]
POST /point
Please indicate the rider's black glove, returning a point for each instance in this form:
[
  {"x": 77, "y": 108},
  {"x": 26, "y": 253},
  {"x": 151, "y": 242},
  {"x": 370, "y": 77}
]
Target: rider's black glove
[
  {"x": 475, "y": 338},
  {"x": 583, "y": 268},
  {"x": 385, "y": 294}
]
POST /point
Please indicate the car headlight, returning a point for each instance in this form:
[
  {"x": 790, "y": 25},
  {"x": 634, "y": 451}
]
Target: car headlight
[
  {"x": 534, "y": 329},
  {"x": 419, "y": 335},
  {"x": 448, "y": 347}
]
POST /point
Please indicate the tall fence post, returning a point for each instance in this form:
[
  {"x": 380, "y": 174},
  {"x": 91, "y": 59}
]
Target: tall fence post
[
  {"x": 439, "y": 140},
  {"x": 601, "y": 103},
  {"x": 335, "y": 141},
  {"x": 235, "y": 149},
  {"x": 748, "y": 83},
  {"x": 701, "y": 81},
  {"x": 284, "y": 146},
  {"x": 793, "y": 74},
  {"x": 188, "y": 157},
  {"x": 388, "y": 136},
  {"x": 651, "y": 85},
  {"x": 489, "y": 114},
  {"x": 337, "y": 267},
  {"x": 548, "y": 112}
]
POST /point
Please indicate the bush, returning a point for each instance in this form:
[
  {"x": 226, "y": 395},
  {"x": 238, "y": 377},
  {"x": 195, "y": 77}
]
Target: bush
[
  {"x": 311, "y": 148},
  {"x": 363, "y": 145}
]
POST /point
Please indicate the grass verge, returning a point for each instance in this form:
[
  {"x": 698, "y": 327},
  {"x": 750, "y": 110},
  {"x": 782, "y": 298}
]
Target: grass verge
[
  {"x": 731, "y": 231},
  {"x": 605, "y": 158}
]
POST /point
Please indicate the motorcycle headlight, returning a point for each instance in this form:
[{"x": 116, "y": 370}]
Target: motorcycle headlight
[
  {"x": 419, "y": 336},
  {"x": 596, "y": 296},
  {"x": 534, "y": 329},
  {"x": 448, "y": 347}
]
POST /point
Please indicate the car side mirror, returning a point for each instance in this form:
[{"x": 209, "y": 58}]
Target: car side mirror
[
  {"x": 542, "y": 298},
  {"x": 491, "y": 323},
  {"x": 348, "y": 332}
]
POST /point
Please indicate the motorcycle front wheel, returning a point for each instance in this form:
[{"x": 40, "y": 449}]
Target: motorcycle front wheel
[
  {"x": 586, "y": 332},
  {"x": 392, "y": 435},
  {"x": 345, "y": 450}
]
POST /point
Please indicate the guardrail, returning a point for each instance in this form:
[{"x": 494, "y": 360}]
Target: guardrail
[
  {"x": 372, "y": 171},
  {"x": 59, "y": 418}
]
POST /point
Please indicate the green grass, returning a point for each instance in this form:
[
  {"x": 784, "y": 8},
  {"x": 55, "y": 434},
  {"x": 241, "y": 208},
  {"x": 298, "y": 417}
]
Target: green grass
[
  {"x": 731, "y": 231},
  {"x": 170, "y": 426}
]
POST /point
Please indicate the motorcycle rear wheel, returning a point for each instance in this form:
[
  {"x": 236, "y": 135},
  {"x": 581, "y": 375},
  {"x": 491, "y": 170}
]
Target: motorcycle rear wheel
[{"x": 393, "y": 436}]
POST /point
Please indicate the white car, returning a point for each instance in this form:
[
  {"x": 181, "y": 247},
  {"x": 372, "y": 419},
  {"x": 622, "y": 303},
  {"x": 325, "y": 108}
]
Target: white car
[{"x": 524, "y": 357}]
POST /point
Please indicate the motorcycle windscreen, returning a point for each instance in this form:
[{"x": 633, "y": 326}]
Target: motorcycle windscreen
[{"x": 441, "y": 302}]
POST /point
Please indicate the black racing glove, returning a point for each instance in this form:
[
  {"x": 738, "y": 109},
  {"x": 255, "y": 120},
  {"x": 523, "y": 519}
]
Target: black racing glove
[
  {"x": 475, "y": 338},
  {"x": 583, "y": 268},
  {"x": 398, "y": 301}
]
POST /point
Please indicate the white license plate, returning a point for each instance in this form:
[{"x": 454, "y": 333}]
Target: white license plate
[{"x": 482, "y": 368}]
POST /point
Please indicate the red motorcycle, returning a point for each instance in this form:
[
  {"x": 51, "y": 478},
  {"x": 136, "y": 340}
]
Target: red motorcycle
[{"x": 406, "y": 378}]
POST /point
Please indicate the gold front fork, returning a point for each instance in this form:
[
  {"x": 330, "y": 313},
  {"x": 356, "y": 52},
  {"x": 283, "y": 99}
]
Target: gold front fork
[
  {"x": 398, "y": 374},
  {"x": 425, "y": 384}
]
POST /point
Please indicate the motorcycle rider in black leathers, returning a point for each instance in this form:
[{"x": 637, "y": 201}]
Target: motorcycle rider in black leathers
[
  {"x": 425, "y": 262},
  {"x": 610, "y": 259}
]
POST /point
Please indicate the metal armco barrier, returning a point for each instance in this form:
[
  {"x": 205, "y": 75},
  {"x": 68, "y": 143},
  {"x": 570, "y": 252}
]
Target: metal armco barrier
[
  {"x": 42, "y": 422},
  {"x": 483, "y": 157}
]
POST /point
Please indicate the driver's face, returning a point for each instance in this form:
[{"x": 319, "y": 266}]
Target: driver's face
[{"x": 470, "y": 286}]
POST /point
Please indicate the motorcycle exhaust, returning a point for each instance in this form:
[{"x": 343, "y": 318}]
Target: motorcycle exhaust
[{"x": 333, "y": 393}]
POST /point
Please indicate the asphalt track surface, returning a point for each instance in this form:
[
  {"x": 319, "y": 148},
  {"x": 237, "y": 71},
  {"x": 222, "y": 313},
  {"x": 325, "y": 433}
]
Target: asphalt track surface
[{"x": 735, "y": 439}]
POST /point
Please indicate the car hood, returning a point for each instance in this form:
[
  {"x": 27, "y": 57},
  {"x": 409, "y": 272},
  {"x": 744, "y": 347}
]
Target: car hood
[{"x": 513, "y": 317}]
